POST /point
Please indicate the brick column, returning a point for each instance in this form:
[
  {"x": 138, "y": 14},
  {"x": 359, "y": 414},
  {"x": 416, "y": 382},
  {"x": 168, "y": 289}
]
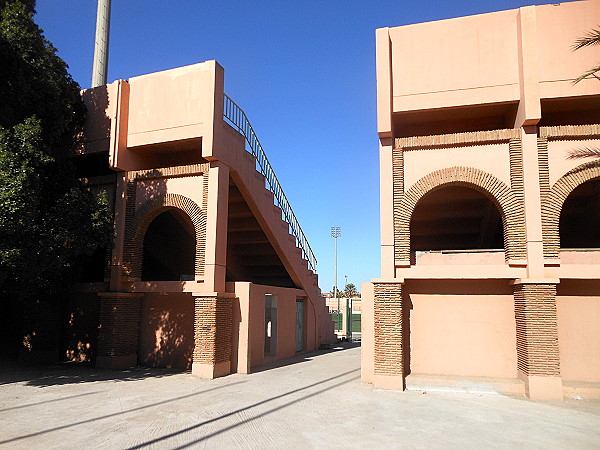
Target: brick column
[
  {"x": 118, "y": 333},
  {"x": 212, "y": 336},
  {"x": 388, "y": 357},
  {"x": 538, "y": 358}
]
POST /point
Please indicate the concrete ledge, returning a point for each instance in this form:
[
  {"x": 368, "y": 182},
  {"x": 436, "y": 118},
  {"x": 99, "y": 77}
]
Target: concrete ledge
[
  {"x": 543, "y": 388},
  {"x": 454, "y": 383},
  {"x": 390, "y": 382},
  {"x": 581, "y": 390},
  {"x": 116, "y": 362},
  {"x": 210, "y": 371}
]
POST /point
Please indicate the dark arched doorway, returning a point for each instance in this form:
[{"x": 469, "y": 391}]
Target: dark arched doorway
[
  {"x": 456, "y": 218},
  {"x": 579, "y": 225},
  {"x": 169, "y": 248}
]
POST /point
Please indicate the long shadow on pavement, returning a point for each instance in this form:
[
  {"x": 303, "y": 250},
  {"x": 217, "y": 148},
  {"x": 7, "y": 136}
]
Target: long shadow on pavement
[
  {"x": 61, "y": 373},
  {"x": 107, "y": 416},
  {"x": 246, "y": 408}
]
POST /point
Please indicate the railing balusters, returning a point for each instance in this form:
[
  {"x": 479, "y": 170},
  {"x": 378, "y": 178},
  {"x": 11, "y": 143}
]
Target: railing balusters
[{"x": 236, "y": 117}]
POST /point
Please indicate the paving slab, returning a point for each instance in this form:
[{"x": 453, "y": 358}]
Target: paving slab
[{"x": 314, "y": 401}]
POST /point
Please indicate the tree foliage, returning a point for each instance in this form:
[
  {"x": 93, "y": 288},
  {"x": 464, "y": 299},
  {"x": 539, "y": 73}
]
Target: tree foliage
[
  {"x": 48, "y": 220},
  {"x": 591, "y": 38}
]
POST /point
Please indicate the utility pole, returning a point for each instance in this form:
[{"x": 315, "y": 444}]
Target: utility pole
[
  {"x": 100, "y": 67},
  {"x": 336, "y": 232}
]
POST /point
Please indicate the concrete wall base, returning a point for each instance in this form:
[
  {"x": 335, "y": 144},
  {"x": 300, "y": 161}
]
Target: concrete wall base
[
  {"x": 543, "y": 388},
  {"x": 210, "y": 371},
  {"x": 455, "y": 383},
  {"x": 38, "y": 356},
  {"x": 391, "y": 382},
  {"x": 581, "y": 390},
  {"x": 116, "y": 362}
]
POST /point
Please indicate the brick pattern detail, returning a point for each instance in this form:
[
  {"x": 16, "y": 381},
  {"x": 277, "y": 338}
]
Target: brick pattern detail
[
  {"x": 119, "y": 325},
  {"x": 128, "y": 250},
  {"x": 457, "y": 139},
  {"x": 212, "y": 330},
  {"x": 170, "y": 172},
  {"x": 388, "y": 329},
  {"x": 570, "y": 131},
  {"x": 544, "y": 167},
  {"x": 537, "y": 332},
  {"x": 553, "y": 198},
  {"x": 137, "y": 226},
  {"x": 508, "y": 203}
]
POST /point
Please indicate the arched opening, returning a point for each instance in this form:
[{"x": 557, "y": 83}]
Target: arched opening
[
  {"x": 169, "y": 248},
  {"x": 579, "y": 225},
  {"x": 456, "y": 218}
]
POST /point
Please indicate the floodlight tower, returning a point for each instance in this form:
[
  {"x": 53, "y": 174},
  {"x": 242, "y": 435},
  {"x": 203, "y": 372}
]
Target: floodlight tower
[
  {"x": 100, "y": 68},
  {"x": 336, "y": 232}
]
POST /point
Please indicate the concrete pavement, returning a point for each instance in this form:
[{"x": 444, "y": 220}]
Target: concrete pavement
[{"x": 317, "y": 401}]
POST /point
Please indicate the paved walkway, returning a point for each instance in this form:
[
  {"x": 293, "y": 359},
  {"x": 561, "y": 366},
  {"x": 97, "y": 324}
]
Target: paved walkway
[{"x": 315, "y": 402}]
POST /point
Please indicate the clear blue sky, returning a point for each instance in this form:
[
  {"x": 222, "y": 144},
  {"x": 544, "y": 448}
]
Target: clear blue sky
[{"x": 304, "y": 72}]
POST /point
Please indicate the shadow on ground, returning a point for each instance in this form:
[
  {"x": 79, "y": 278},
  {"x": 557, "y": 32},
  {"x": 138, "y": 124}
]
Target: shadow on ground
[
  {"x": 61, "y": 373},
  {"x": 305, "y": 357}
]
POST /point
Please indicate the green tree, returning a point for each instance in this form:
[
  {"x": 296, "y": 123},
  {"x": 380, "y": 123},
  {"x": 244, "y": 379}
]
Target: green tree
[
  {"x": 350, "y": 291},
  {"x": 49, "y": 222}
]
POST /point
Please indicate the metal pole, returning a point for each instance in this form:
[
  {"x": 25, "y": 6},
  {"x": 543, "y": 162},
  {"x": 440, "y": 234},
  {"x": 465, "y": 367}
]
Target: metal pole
[
  {"x": 100, "y": 67},
  {"x": 335, "y": 234}
]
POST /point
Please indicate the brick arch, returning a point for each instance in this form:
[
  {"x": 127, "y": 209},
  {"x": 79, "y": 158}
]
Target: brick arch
[
  {"x": 509, "y": 205},
  {"x": 136, "y": 230},
  {"x": 553, "y": 203}
]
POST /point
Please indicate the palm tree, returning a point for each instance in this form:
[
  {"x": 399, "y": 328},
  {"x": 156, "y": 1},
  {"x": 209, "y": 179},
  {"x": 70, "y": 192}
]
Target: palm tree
[{"x": 591, "y": 38}]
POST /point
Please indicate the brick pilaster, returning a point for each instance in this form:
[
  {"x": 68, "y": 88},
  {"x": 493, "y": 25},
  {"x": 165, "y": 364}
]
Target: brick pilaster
[
  {"x": 212, "y": 336},
  {"x": 388, "y": 329},
  {"x": 118, "y": 333},
  {"x": 537, "y": 332}
]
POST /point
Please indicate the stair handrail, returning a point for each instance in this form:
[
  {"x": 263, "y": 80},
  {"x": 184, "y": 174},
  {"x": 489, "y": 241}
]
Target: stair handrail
[{"x": 236, "y": 117}]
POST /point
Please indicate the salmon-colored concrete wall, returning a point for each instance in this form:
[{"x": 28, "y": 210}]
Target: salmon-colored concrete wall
[
  {"x": 367, "y": 338},
  {"x": 249, "y": 324},
  {"x": 464, "y": 335},
  {"x": 521, "y": 54},
  {"x": 579, "y": 337},
  {"x": 167, "y": 330},
  {"x": 455, "y": 62},
  {"x": 178, "y": 107},
  {"x": 101, "y": 104},
  {"x": 493, "y": 159},
  {"x": 190, "y": 187},
  {"x": 558, "y": 26},
  {"x": 560, "y": 150}
]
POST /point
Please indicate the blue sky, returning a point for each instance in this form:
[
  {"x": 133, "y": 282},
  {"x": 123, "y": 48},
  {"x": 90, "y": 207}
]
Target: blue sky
[{"x": 304, "y": 72}]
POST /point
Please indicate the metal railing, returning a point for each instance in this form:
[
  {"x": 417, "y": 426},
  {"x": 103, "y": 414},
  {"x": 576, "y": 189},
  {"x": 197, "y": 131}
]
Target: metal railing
[{"x": 236, "y": 117}]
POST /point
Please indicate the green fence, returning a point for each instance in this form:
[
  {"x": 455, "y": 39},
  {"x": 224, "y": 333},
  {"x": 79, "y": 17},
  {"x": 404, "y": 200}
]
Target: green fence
[
  {"x": 356, "y": 323},
  {"x": 338, "y": 318}
]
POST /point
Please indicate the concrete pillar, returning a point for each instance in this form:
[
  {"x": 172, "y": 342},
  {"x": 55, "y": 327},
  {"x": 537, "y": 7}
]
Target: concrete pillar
[
  {"x": 538, "y": 358},
  {"x": 119, "y": 330},
  {"x": 212, "y": 335},
  {"x": 216, "y": 228},
  {"x": 386, "y": 205},
  {"x": 387, "y": 332}
]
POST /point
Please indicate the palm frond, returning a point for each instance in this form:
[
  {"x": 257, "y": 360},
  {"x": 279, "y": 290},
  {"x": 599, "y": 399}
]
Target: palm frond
[
  {"x": 591, "y": 38},
  {"x": 585, "y": 152},
  {"x": 590, "y": 73}
]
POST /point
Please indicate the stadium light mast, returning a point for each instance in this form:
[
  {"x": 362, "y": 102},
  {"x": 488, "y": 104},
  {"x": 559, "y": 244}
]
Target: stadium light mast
[
  {"x": 336, "y": 232},
  {"x": 100, "y": 67}
]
